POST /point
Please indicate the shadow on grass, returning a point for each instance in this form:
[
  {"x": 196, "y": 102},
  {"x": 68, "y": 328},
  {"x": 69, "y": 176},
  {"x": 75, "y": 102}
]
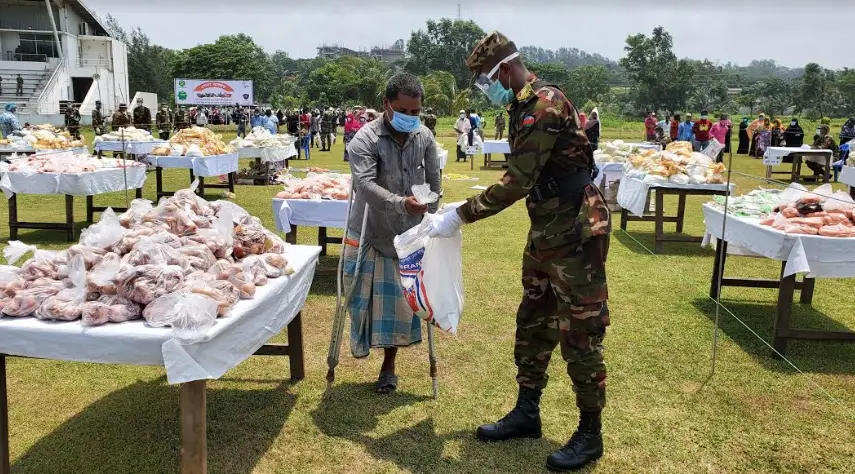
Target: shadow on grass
[
  {"x": 684, "y": 249},
  {"x": 824, "y": 357},
  {"x": 352, "y": 411},
  {"x": 136, "y": 429}
]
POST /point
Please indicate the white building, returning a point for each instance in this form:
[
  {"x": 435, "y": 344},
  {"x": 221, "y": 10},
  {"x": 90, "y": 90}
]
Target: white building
[{"x": 63, "y": 53}]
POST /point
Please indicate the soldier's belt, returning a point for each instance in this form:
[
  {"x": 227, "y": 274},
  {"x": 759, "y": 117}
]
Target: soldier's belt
[{"x": 554, "y": 187}]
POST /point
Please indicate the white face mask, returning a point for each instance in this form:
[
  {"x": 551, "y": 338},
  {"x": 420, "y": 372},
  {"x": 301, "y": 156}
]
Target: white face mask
[
  {"x": 818, "y": 131},
  {"x": 463, "y": 116}
]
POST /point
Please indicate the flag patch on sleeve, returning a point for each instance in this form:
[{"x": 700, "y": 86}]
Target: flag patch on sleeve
[{"x": 528, "y": 121}]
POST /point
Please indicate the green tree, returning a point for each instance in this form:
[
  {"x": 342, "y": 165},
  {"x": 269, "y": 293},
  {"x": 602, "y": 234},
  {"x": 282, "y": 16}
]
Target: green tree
[
  {"x": 776, "y": 95},
  {"x": 347, "y": 80},
  {"x": 148, "y": 64},
  {"x": 588, "y": 83},
  {"x": 444, "y": 46},
  {"x": 813, "y": 96},
  {"x": 234, "y": 57},
  {"x": 440, "y": 92},
  {"x": 651, "y": 65}
]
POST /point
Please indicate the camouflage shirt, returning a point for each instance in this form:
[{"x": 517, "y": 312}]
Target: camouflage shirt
[
  {"x": 500, "y": 121},
  {"x": 825, "y": 142},
  {"x": 142, "y": 118},
  {"x": 97, "y": 118},
  {"x": 430, "y": 122},
  {"x": 163, "y": 120},
  {"x": 328, "y": 123},
  {"x": 546, "y": 142},
  {"x": 120, "y": 119}
]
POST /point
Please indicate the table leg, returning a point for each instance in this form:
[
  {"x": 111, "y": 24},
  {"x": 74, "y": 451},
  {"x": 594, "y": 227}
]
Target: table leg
[
  {"x": 291, "y": 237},
  {"x": 806, "y": 296},
  {"x": 681, "y": 212},
  {"x": 623, "y": 216},
  {"x": 784, "y": 310},
  {"x": 797, "y": 168},
  {"x": 90, "y": 214},
  {"x": 718, "y": 268},
  {"x": 768, "y": 171},
  {"x": 158, "y": 174},
  {"x": 194, "y": 436},
  {"x": 827, "y": 176},
  {"x": 472, "y": 163},
  {"x": 658, "y": 245},
  {"x": 231, "y": 178},
  {"x": 138, "y": 193},
  {"x": 5, "y": 455},
  {"x": 295, "y": 348},
  {"x": 13, "y": 217},
  {"x": 69, "y": 218},
  {"x": 322, "y": 240}
]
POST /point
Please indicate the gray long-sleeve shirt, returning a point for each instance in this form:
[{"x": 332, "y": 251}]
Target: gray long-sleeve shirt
[{"x": 383, "y": 175}]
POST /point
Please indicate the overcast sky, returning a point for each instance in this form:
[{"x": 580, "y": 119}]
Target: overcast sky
[{"x": 791, "y": 32}]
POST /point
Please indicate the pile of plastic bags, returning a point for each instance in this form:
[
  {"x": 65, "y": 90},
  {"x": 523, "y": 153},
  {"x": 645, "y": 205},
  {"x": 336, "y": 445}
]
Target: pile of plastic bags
[
  {"x": 821, "y": 212},
  {"x": 48, "y": 137},
  {"x": 612, "y": 152},
  {"x": 64, "y": 162},
  {"x": 181, "y": 263},
  {"x": 127, "y": 134},
  {"x": 678, "y": 164},
  {"x": 194, "y": 141},
  {"x": 315, "y": 186},
  {"x": 260, "y": 137}
]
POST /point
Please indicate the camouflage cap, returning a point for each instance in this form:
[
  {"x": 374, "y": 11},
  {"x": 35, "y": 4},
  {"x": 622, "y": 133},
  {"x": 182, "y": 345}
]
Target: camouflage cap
[{"x": 491, "y": 50}]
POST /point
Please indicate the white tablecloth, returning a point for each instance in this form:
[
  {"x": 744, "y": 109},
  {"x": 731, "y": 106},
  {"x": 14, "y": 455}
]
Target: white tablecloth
[
  {"x": 78, "y": 184},
  {"x": 496, "y": 146},
  {"x": 442, "y": 156},
  {"x": 231, "y": 341},
  {"x": 644, "y": 146},
  {"x": 847, "y": 175},
  {"x": 215, "y": 165},
  {"x": 134, "y": 148},
  {"x": 318, "y": 213},
  {"x": 5, "y": 150},
  {"x": 821, "y": 257},
  {"x": 632, "y": 194},
  {"x": 775, "y": 154},
  {"x": 268, "y": 154},
  {"x": 610, "y": 172}
]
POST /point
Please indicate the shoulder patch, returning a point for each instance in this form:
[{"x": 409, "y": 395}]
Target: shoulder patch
[{"x": 528, "y": 120}]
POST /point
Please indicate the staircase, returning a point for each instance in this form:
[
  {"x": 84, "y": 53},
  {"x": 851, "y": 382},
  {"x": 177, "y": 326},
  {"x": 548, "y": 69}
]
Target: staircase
[{"x": 34, "y": 84}]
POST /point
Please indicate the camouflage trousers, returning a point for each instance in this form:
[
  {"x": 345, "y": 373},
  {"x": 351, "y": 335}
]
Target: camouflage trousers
[{"x": 564, "y": 303}]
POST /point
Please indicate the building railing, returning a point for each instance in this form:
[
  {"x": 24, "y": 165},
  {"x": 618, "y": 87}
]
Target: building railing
[
  {"x": 95, "y": 62},
  {"x": 52, "y": 107},
  {"x": 29, "y": 57}
]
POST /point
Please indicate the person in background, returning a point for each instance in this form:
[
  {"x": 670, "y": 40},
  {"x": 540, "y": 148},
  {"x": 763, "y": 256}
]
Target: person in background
[
  {"x": 500, "y": 125},
  {"x": 163, "y": 122},
  {"x": 777, "y": 133},
  {"x": 280, "y": 117},
  {"x": 462, "y": 127},
  {"x": 674, "y": 131},
  {"x": 701, "y": 129},
  {"x": 305, "y": 121},
  {"x": 19, "y": 83},
  {"x": 271, "y": 123},
  {"x": 592, "y": 130},
  {"x": 664, "y": 124},
  {"x": 684, "y": 132},
  {"x": 180, "y": 121},
  {"x": 315, "y": 128},
  {"x": 121, "y": 117},
  {"x": 726, "y": 121},
  {"x": 241, "y": 120},
  {"x": 744, "y": 139},
  {"x": 719, "y": 131},
  {"x": 98, "y": 119},
  {"x": 762, "y": 138},
  {"x": 794, "y": 136},
  {"x": 327, "y": 129},
  {"x": 430, "y": 120},
  {"x": 72, "y": 121},
  {"x": 387, "y": 157},
  {"x": 650, "y": 127},
  {"x": 823, "y": 141},
  {"x": 351, "y": 126},
  {"x": 754, "y": 127},
  {"x": 847, "y": 132},
  {"x": 1, "y": 85},
  {"x": 583, "y": 119},
  {"x": 661, "y": 138},
  {"x": 474, "y": 124},
  {"x": 9, "y": 121},
  {"x": 201, "y": 118},
  {"x": 142, "y": 116}
]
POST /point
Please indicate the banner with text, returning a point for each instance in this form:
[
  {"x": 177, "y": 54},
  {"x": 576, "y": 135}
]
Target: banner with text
[{"x": 212, "y": 92}]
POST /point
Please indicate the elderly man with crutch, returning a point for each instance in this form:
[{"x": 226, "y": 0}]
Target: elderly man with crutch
[{"x": 387, "y": 157}]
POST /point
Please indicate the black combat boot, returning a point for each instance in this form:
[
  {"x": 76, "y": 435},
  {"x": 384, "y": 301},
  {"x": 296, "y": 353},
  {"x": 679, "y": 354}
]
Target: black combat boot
[
  {"x": 522, "y": 422},
  {"x": 584, "y": 447}
]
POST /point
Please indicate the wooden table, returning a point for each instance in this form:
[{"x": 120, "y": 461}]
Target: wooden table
[
  {"x": 798, "y": 154},
  {"x": 659, "y": 218},
  {"x": 323, "y": 239},
  {"x": 255, "y": 154},
  {"x": 497, "y": 146},
  {"x": 158, "y": 174},
  {"x": 786, "y": 286},
  {"x": 191, "y": 401}
]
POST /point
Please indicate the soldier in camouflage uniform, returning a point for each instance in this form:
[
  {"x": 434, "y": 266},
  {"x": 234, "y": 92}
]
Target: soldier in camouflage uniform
[
  {"x": 563, "y": 271},
  {"x": 163, "y": 121},
  {"x": 98, "y": 119},
  {"x": 142, "y": 116},
  {"x": 500, "y": 125},
  {"x": 72, "y": 121},
  {"x": 327, "y": 129},
  {"x": 821, "y": 141},
  {"x": 121, "y": 118},
  {"x": 430, "y": 121},
  {"x": 180, "y": 121}
]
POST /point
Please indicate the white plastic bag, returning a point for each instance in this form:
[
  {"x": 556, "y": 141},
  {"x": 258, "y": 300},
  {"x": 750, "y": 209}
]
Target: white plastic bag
[
  {"x": 191, "y": 315},
  {"x": 194, "y": 151},
  {"x": 105, "y": 233},
  {"x": 432, "y": 274},
  {"x": 423, "y": 194}
]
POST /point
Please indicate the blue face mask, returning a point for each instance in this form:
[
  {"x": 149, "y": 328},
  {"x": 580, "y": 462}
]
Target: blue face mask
[
  {"x": 498, "y": 95},
  {"x": 405, "y": 123}
]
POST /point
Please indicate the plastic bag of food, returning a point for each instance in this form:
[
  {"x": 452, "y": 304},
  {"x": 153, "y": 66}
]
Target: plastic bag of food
[
  {"x": 221, "y": 291},
  {"x": 102, "y": 278},
  {"x": 109, "y": 309},
  {"x": 171, "y": 217},
  {"x": 155, "y": 250},
  {"x": 839, "y": 202},
  {"x": 194, "y": 151},
  {"x": 43, "y": 264},
  {"x": 219, "y": 238},
  {"x": 10, "y": 280},
  {"x": 239, "y": 214},
  {"x": 135, "y": 213},
  {"x": 199, "y": 256},
  {"x": 105, "y": 233},
  {"x": 255, "y": 270},
  {"x": 423, "y": 194},
  {"x": 144, "y": 283},
  {"x": 27, "y": 301},
  {"x": 273, "y": 243},
  {"x": 431, "y": 272},
  {"x": 249, "y": 239},
  {"x": 191, "y": 315},
  {"x": 679, "y": 179},
  {"x": 67, "y": 304},
  {"x": 91, "y": 255}
]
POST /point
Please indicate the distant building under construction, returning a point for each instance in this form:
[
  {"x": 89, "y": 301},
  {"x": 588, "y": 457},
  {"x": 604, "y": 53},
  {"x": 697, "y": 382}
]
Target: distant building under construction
[{"x": 387, "y": 55}]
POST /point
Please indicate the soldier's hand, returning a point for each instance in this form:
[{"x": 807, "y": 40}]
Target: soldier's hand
[{"x": 414, "y": 207}]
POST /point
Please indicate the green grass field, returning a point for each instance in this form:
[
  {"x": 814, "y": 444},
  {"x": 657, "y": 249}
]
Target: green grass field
[{"x": 665, "y": 414}]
